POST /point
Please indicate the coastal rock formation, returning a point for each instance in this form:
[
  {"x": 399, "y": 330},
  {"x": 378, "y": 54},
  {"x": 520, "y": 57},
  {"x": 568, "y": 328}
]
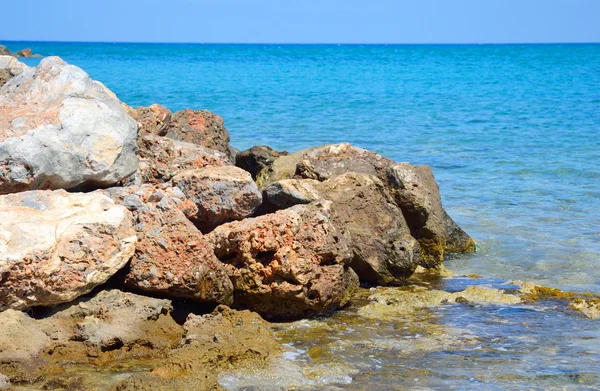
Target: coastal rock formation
[
  {"x": 221, "y": 194},
  {"x": 4, "y": 51},
  {"x": 256, "y": 159},
  {"x": 9, "y": 68},
  {"x": 162, "y": 158},
  {"x": 413, "y": 188},
  {"x": 199, "y": 127},
  {"x": 223, "y": 340},
  {"x": 384, "y": 252},
  {"x": 56, "y": 246},
  {"x": 61, "y": 129},
  {"x": 25, "y": 53},
  {"x": 288, "y": 264},
  {"x": 172, "y": 258}
]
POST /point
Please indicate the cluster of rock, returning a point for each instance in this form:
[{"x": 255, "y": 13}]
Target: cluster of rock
[
  {"x": 25, "y": 53},
  {"x": 162, "y": 205}
]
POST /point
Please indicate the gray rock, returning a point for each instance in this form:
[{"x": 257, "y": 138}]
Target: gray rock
[
  {"x": 221, "y": 194},
  {"x": 61, "y": 129},
  {"x": 9, "y": 68},
  {"x": 4, "y": 382}
]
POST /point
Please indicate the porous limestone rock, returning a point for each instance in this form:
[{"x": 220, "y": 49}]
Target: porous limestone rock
[
  {"x": 199, "y": 127},
  {"x": 413, "y": 188},
  {"x": 56, "y": 246},
  {"x": 60, "y": 129},
  {"x": 162, "y": 158},
  {"x": 152, "y": 120},
  {"x": 172, "y": 258},
  {"x": 221, "y": 194},
  {"x": 384, "y": 252},
  {"x": 288, "y": 264}
]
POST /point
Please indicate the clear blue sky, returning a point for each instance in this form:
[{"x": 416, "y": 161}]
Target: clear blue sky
[{"x": 302, "y": 21}]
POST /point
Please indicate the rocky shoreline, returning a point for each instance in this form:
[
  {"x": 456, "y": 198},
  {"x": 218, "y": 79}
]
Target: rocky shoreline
[{"x": 142, "y": 236}]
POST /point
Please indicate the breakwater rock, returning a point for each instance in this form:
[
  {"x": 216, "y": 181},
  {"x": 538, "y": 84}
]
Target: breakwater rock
[{"x": 118, "y": 224}]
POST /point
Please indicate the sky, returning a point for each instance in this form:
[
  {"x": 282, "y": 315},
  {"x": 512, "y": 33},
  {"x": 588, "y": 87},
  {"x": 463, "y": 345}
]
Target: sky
[{"x": 302, "y": 21}]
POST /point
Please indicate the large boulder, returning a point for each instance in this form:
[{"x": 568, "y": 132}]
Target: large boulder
[
  {"x": 162, "y": 158},
  {"x": 26, "y": 53},
  {"x": 257, "y": 158},
  {"x": 198, "y": 127},
  {"x": 413, "y": 188},
  {"x": 9, "y": 68},
  {"x": 56, "y": 246},
  {"x": 61, "y": 129},
  {"x": 384, "y": 252},
  {"x": 172, "y": 258},
  {"x": 288, "y": 264},
  {"x": 221, "y": 194}
]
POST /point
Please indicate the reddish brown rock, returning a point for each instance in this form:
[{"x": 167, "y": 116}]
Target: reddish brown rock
[
  {"x": 199, "y": 127},
  {"x": 288, "y": 264},
  {"x": 221, "y": 194},
  {"x": 162, "y": 158},
  {"x": 152, "y": 120},
  {"x": 26, "y": 53},
  {"x": 172, "y": 258}
]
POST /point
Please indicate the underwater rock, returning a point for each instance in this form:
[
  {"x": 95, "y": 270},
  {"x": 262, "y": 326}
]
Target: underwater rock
[
  {"x": 221, "y": 194},
  {"x": 586, "y": 303},
  {"x": 59, "y": 129},
  {"x": 172, "y": 257},
  {"x": 56, "y": 246},
  {"x": 288, "y": 264}
]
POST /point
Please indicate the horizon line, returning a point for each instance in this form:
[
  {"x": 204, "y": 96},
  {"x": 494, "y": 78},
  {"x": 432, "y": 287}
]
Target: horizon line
[{"x": 312, "y": 43}]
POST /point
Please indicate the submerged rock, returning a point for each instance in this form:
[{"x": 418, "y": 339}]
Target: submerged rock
[
  {"x": 61, "y": 129},
  {"x": 392, "y": 302},
  {"x": 199, "y": 127},
  {"x": 221, "y": 194},
  {"x": 162, "y": 158},
  {"x": 56, "y": 246},
  {"x": 586, "y": 303},
  {"x": 172, "y": 258},
  {"x": 288, "y": 264}
]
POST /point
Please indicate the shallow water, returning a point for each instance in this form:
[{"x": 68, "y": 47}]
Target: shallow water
[{"x": 512, "y": 134}]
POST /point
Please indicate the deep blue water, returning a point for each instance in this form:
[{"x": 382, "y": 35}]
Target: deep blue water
[{"x": 511, "y": 131}]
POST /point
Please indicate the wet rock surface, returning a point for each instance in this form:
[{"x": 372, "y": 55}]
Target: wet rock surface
[
  {"x": 56, "y": 246},
  {"x": 61, "y": 129},
  {"x": 288, "y": 264},
  {"x": 172, "y": 257},
  {"x": 221, "y": 194}
]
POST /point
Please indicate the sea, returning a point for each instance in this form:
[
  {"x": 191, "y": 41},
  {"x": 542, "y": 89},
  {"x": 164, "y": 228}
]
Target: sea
[{"x": 512, "y": 133}]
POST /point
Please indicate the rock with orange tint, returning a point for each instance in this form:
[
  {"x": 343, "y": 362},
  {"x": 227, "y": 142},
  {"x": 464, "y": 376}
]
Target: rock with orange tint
[
  {"x": 59, "y": 129},
  {"x": 172, "y": 258},
  {"x": 221, "y": 194},
  {"x": 153, "y": 119},
  {"x": 162, "y": 158},
  {"x": 288, "y": 264},
  {"x": 199, "y": 127},
  {"x": 56, "y": 246}
]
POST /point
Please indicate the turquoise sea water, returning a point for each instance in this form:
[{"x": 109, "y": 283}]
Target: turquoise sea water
[
  {"x": 512, "y": 131},
  {"x": 513, "y": 135}
]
